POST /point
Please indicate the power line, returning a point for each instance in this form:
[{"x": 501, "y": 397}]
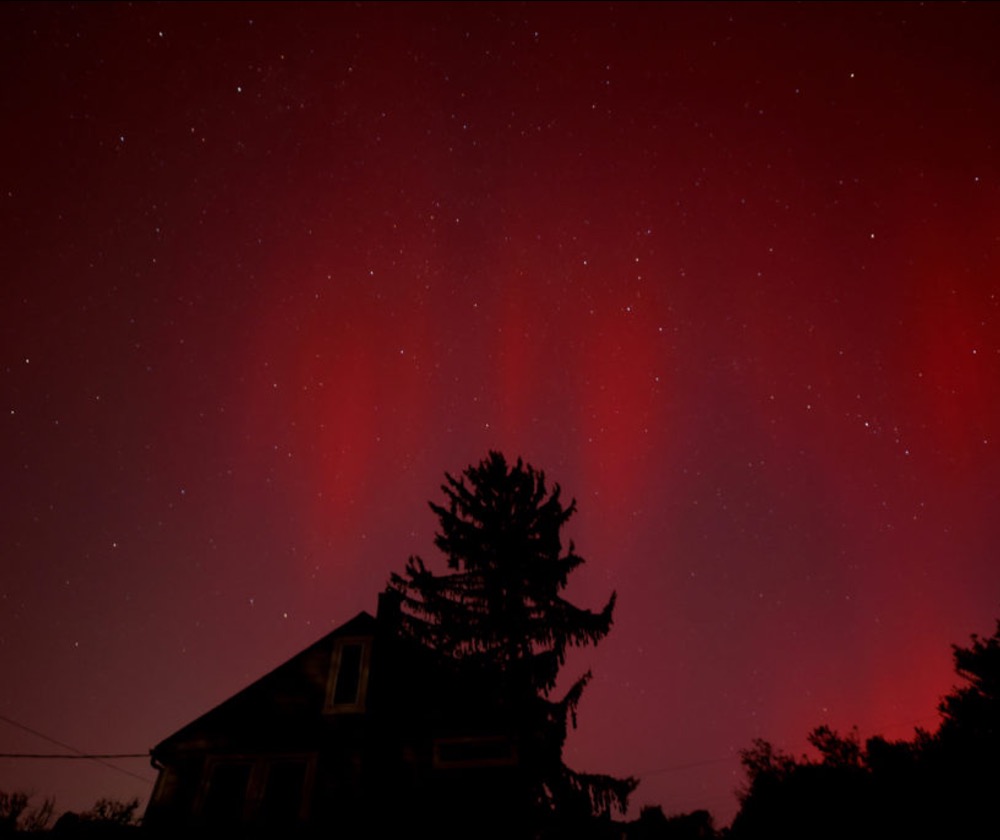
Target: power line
[{"x": 79, "y": 753}]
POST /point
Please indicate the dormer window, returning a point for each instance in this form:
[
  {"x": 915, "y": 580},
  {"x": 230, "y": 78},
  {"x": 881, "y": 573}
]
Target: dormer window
[{"x": 348, "y": 682}]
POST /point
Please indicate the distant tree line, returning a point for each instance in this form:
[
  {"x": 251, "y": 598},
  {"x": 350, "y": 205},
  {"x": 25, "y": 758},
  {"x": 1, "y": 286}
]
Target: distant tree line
[
  {"x": 944, "y": 784},
  {"x": 20, "y": 816}
]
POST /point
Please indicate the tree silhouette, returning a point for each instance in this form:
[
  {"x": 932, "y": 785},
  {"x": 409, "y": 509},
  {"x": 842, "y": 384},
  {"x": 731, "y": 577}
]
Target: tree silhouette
[
  {"x": 653, "y": 824},
  {"x": 116, "y": 812},
  {"x": 939, "y": 784},
  {"x": 962, "y": 759},
  {"x": 787, "y": 797},
  {"x": 17, "y": 815},
  {"x": 971, "y": 714},
  {"x": 499, "y": 615}
]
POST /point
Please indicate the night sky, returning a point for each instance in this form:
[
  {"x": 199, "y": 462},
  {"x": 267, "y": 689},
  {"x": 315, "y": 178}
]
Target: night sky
[{"x": 730, "y": 274}]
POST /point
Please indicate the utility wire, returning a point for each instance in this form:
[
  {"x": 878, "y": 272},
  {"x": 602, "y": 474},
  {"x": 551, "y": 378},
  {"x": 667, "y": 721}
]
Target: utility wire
[{"x": 78, "y": 753}]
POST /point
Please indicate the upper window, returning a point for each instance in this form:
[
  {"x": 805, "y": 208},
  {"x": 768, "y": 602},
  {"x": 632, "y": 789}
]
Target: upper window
[{"x": 348, "y": 683}]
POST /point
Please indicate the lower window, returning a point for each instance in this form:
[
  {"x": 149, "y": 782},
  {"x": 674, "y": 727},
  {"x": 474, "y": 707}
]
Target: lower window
[{"x": 270, "y": 791}]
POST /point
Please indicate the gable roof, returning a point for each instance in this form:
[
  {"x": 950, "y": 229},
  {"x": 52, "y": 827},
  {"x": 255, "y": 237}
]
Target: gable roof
[{"x": 292, "y": 693}]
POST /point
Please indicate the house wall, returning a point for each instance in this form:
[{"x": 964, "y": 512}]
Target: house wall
[{"x": 412, "y": 747}]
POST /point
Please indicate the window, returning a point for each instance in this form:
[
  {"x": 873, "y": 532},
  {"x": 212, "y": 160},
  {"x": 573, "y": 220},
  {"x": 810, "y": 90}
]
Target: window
[
  {"x": 348, "y": 683},
  {"x": 282, "y": 804},
  {"x": 269, "y": 791},
  {"x": 478, "y": 751},
  {"x": 225, "y": 801}
]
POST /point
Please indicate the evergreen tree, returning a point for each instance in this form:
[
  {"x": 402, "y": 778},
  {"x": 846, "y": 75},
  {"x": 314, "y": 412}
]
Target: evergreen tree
[{"x": 498, "y": 612}]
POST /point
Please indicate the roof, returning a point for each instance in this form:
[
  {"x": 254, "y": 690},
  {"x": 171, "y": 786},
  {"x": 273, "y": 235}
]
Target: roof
[{"x": 290, "y": 691}]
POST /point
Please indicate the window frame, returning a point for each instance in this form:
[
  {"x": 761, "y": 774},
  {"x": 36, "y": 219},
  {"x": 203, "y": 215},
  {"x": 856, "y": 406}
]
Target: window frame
[
  {"x": 440, "y": 762},
  {"x": 264, "y": 770},
  {"x": 212, "y": 764},
  {"x": 253, "y": 798},
  {"x": 357, "y": 705}
]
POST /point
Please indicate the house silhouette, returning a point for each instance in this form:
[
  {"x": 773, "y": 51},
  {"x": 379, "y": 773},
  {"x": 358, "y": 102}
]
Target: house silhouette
[{"x": 361, "y": 733}]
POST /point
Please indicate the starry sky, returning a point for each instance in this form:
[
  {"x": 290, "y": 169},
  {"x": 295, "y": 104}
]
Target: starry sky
[{"x": 728, "y": 273}]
